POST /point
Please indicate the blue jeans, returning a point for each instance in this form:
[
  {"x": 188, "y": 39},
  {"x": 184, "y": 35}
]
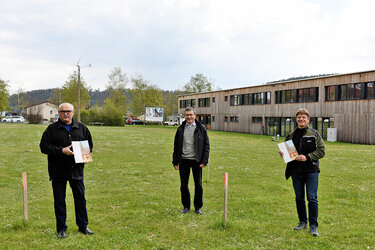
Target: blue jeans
[{"x": 310, "y": 180}]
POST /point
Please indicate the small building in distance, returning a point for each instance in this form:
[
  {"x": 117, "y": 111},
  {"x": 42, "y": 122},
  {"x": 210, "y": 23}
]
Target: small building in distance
[
  {"x": 345, "y": 102},
  {"x": 46, "y": 110}
]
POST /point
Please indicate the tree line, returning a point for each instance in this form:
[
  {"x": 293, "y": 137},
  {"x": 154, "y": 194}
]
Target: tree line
[{"x": 123, "y": 96}]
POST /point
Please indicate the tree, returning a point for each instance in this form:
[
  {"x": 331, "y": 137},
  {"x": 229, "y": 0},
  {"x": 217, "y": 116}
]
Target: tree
[
  {"x": 116, "y": 87},
  {"x": 55, "y": 96},
  {"x": 69, "y": 92},
  {"x": 198, "y": 84},
  {"x": 4, "y": 95},
  {"x": 144, "y": 94},
  {"x": 171, "y": 102}
]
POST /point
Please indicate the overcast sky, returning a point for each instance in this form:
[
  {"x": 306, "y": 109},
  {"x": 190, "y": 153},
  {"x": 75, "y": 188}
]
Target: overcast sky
[{"x": 235, "y": 43}]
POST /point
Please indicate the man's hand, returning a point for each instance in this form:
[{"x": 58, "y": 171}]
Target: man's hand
[
  {"x": 281, "y": 153},
  {"x": 67, "y": 151},
  {"x": 202, "y": 165},
  {"x": 301, "y": 158},
  {"x": 176, "y": 167}
]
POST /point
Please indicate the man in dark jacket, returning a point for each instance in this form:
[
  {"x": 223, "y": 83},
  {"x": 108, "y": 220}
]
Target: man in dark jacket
[
  {"x": 56, "y": 142},
  {"x": 304, "y": 170},
  {"x": 191, "y": 150}
]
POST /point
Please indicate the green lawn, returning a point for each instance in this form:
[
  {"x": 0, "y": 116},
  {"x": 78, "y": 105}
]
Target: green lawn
[{"x": 133, "y": 196}]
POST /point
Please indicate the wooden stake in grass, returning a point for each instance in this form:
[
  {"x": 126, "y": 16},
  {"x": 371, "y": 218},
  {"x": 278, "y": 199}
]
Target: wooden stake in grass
[
  {"x": 25, "y": 209},
  {"x": 225, "y": 197},
  {"x": 208, "y": 171}
]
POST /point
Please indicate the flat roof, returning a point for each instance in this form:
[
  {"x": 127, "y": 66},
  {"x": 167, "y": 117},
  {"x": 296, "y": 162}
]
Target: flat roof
[{"x": 282, "y": 82}]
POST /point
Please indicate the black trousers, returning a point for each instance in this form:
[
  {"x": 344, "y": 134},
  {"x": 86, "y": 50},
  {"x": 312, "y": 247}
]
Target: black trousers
[
  {"x": 59, "y": 194},
  {"x": 184, "y": 169}
]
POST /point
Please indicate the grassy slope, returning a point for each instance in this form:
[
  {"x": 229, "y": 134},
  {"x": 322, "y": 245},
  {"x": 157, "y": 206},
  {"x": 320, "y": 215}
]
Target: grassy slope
[{"x": 133, "y": 195}]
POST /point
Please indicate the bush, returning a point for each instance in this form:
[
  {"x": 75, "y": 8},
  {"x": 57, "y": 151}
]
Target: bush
[
  {"x": 34, "y": 118},
  {"x": 110, "y": 115}
]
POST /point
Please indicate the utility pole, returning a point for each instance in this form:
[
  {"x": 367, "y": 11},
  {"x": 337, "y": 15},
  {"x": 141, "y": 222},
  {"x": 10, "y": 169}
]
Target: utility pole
[
  {"x": 79, "y": 93},
  {"x": 79, "y": 90}
]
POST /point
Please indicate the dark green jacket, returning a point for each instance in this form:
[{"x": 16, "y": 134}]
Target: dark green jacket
[{"x": 312, "y": 146}]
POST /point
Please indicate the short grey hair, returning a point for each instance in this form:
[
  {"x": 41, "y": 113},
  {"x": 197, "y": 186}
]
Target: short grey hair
[
  {"x": 190, "y": 109},
  {"x": 71, "y": 105}
]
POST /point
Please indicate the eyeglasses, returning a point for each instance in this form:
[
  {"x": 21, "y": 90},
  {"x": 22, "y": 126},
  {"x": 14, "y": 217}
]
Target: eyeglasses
[{"x": 65, "y": 111}]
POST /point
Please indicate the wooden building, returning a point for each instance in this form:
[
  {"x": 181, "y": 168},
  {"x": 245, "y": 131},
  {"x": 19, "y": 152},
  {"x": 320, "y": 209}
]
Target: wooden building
[{"x": 342, "y": 101}]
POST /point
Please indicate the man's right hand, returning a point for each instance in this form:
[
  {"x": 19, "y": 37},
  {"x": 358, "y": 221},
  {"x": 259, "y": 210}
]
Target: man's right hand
[
  {"x": 67, "y": 151},
  {"x": 175, "y": 167}
]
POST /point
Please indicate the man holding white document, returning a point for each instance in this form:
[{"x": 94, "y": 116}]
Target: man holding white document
[
  {"x": 57, "y": 142},
  {"x": 303, "y": 167}
]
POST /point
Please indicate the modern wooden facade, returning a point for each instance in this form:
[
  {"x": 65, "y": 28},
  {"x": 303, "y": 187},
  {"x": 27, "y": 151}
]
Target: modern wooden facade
[{"x": 345, "y": 102}]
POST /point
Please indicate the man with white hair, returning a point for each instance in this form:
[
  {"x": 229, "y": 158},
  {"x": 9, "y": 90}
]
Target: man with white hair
[{"x": 56, "y": 143}]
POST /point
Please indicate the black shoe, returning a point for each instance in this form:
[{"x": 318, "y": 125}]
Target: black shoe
[
  {"x": 61, "y": 235},
  {"x": 301, "y": 225},
  {"x": 185, "y": 210},
  {"x": 314, "y": 231},
  {"x": 85, "y": 231},
  {"x": 198, "y": 211}
]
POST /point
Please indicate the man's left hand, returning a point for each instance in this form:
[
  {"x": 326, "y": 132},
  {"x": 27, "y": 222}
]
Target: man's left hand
[
  {"x": 202, "y": 165},
  {"x": 301, "y": 158}
]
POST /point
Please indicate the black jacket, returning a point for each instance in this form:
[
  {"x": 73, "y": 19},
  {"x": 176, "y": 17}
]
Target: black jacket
[
  {"x": 62, "y": 167},
  {"x": 202, "y": 144},
  {"x": 312, "y": 146}
]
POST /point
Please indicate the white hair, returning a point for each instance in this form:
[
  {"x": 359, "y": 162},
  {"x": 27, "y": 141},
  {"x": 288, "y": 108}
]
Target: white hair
[{"x": 71, "y": 105}]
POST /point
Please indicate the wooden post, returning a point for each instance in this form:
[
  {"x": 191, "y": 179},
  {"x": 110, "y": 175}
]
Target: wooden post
[
  {"x": 208, "y": 172},
  {"x": 25, "y": 209},
  {"x": 225, "y": 197}
]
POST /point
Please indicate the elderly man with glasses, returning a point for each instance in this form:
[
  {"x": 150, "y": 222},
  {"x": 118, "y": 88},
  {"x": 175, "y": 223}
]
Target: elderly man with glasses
[{"x": 56, "y": 143}]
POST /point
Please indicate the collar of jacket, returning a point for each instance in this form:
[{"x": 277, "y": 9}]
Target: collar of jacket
[
  {"x": 196, "y": 123},
  {"x": 74, "y": 123}
]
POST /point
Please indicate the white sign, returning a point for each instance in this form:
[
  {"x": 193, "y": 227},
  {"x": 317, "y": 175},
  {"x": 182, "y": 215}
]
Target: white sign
[{"x": 154, "y": 114}]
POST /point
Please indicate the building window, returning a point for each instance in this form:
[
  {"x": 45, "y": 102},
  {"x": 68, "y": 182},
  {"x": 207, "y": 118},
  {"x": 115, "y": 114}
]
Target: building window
[
  {"x": 248, "y": 99},
  {"x": 213, "y": 118},
  {"x": 226, "y": 98},
  {"x": 268, "y": 96},
  {"x": 257, "y": 119},
  {"x": 357, "y": 91},
  {"x": 204, "y": 102},
  {"x": 187, "y": 103},
  {"x": 350, "y": 92},
  {"x": 331, "y": 93},
  {"x": 370, "y": 90},
  {"x": 225, "y": 118},
  {"x": 303, "y": 95},
  {"x": 234, "y": 119},
  {"x": 213, "y": 99}
]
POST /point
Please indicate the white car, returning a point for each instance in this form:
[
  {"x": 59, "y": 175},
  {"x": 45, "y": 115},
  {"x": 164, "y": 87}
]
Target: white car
[
  {"x": 18, "y": 119},
  {"x": 170, "y": 123}
]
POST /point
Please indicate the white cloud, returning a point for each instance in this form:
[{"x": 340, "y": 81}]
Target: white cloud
[{"x": 235, "y": 42}]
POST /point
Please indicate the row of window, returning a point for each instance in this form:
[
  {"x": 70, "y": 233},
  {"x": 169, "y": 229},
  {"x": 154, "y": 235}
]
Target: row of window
[
  {"x": 187, "y": 103},
  {"x": 250, "y": 99},
  {"x": 353, "y": 91},
  {"x": 297, "y": 95}
]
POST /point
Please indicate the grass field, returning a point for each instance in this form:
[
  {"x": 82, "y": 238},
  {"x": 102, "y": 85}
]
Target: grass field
[{"x": 133, "y": 197}]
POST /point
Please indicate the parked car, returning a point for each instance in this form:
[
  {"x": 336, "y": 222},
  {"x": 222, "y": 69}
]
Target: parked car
[
  {"x": 17, "y": 119},
  {"x": 170, "y": 123},
  {"x": 134, "y": 121}
]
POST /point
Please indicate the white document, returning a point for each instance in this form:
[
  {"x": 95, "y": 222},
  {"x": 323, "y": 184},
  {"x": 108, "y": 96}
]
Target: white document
[
  {"x": 81, "y": 151},
  {"x": 289, "y": 150}
]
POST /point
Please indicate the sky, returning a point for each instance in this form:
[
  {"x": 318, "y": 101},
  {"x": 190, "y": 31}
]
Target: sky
[{"x": 235, "y": 43}]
